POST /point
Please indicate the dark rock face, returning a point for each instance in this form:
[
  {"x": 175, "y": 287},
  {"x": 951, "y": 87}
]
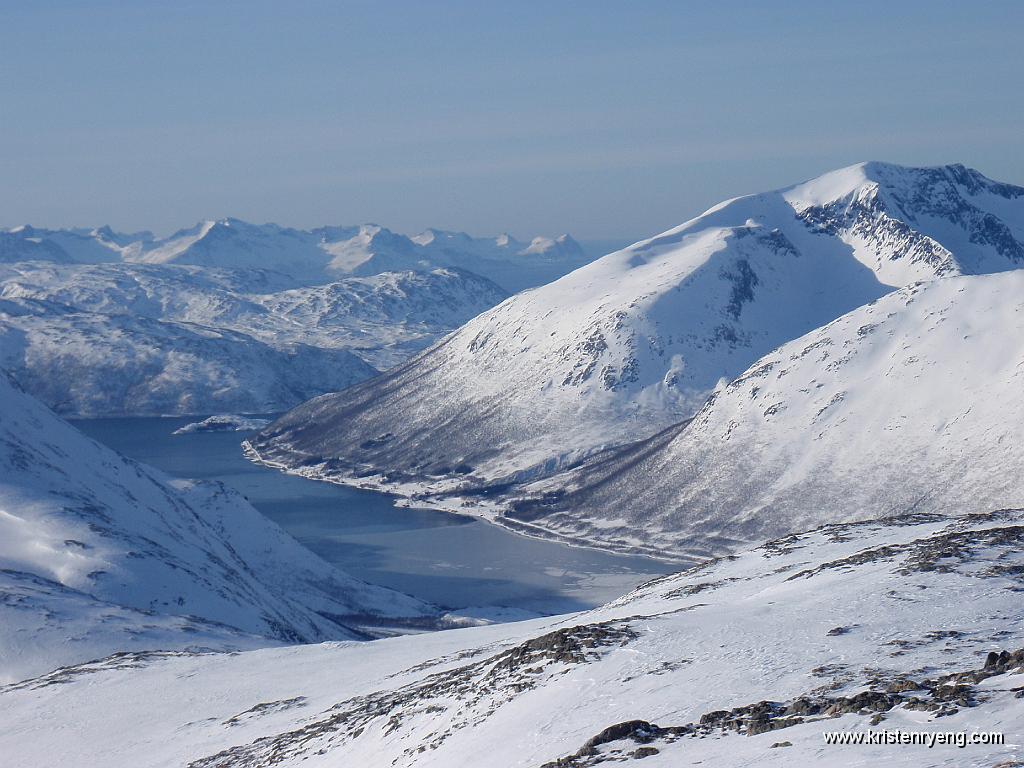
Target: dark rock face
[{"x": 937, "y": 193}]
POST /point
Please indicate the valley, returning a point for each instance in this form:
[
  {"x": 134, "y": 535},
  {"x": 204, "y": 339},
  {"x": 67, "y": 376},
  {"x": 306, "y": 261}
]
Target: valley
[{"x": 454, "y": 561}]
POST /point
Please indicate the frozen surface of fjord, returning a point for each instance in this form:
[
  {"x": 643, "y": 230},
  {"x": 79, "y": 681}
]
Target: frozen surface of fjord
[
  {"x": 635, "y": 341},
  {"x": 452, "y": 560},
  {"x": 912, "y": 624}
]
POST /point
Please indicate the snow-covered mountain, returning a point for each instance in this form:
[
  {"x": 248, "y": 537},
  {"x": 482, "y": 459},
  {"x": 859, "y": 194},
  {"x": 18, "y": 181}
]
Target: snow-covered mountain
[
  {"x": 306, "y": 257},
  {"x": 116, "y": 339},
  {"x": 911, "y": 403},
  {"x": 634, "y": 342},
  {"x": 84, "y": 246},
  {"x": 911, "y": 624},
  {"x": 512, "y": 264},
  {"x": 101, "y": 554}
]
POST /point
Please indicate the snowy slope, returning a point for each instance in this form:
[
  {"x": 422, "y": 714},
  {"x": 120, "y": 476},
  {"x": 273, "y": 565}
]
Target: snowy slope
[
  {"x": 150, "y": 339},
  {"x": 306, "y": 257},
  {"x": 912, "y": 403},
  {"x": 634, "y": 342},
  {"x": 100, "y": 554},
  {"x": 910, "y": 624}
]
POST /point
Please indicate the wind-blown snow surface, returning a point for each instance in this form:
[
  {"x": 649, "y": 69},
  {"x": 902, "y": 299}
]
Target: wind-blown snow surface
[
  {"x": 100, "y": 554},
  {"x": 912, "y": 403},
  {"x": 634, "y": 342},
  {"x": 138, "y": 339},
  {"x": 307, "y": 256},
  {"x": 887, "y": 625}
]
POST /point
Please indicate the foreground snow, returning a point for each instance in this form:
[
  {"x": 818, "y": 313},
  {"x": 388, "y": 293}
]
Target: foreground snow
[
  {"x": 894, "y": 625},
  {"x": 100, "y": 554},
  {"x": 635, "y": 342}
]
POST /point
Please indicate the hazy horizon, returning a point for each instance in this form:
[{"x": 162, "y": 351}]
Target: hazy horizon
[{"x": 605, "y": 121}]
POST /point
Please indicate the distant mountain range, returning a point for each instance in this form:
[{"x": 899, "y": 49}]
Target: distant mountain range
[
  {"x": 636, "y": 342},
  {"x": 144, "y": 339},
  {"x": 232, "y": 316},
  {"x": 307, "y": 256}
]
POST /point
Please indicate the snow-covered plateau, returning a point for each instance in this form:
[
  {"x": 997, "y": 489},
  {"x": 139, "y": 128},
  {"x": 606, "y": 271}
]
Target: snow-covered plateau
[
  {"x": 635, "y": 342},
  {"x": 909, "y": 625}
]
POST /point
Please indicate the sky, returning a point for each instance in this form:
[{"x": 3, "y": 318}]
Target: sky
[{"x": 609, "y": 120}]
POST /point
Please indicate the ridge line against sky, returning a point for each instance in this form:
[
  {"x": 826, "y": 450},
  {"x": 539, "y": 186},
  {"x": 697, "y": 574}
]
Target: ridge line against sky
[{"x": 597, "y": 118}]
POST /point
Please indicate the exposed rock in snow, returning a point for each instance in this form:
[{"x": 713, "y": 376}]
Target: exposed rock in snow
[
  {"x": 223, "y": 423},
  {"x": 736, "y": 662},
  {"x": 100, "y": 554},
  {"x": 636, "y": 341}
]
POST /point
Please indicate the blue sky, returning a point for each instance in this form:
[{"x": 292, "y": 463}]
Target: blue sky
[{"x": 608, "y": 120}]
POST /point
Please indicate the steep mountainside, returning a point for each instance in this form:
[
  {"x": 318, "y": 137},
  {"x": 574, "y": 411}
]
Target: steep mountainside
[
  {"x": 908, "y": 404},
  {"x": 152, "y": 339},
  {"x": 306, "y": 257},
  {"x": 100, "y": 554},
  {"x": 910, "y": 624},
  {"x": 634, "y": 342}
]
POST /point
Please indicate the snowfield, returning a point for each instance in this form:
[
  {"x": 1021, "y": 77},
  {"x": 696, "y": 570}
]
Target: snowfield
[
  {"x": 911, "y": 624},
  {"x": 101, "y": 554},
  {"x": 633, "y": 343}
]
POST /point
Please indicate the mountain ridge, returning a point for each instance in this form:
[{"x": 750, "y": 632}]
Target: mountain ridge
[
  {"x": 636, "y": 341},
  {"x": 318, "y": 255}
]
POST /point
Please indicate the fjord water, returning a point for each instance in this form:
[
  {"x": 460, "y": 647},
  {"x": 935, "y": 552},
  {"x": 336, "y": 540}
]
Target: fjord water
[{"x": 451, "y": 560}]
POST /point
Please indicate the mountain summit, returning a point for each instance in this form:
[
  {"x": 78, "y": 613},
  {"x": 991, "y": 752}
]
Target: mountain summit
[{"x": 636, "y": 341}]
